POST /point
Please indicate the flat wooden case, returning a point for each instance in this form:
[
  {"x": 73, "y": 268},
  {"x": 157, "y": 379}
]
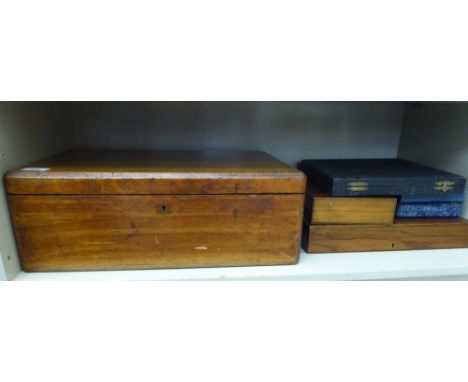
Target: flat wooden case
[
  {"x": 405, "y": 233},
  {"x": 321, "y": 208},
  {"x": 104, "y": 210}
]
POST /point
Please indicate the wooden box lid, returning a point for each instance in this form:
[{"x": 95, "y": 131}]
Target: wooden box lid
[{"x": 90, "y": 172}]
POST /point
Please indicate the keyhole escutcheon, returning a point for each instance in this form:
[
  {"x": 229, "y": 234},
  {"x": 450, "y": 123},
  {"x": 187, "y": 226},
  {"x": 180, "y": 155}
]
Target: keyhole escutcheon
[{"x": 163, "y": 208}]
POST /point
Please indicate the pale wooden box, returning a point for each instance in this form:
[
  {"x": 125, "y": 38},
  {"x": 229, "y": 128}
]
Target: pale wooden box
[{"x": 107, "y": 210}]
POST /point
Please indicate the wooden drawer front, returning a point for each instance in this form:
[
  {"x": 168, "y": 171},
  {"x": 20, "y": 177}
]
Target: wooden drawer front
[{"x": 60, "y": 233}]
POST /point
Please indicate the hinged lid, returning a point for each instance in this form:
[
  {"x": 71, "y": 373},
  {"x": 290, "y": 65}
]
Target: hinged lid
[{"x": 156, "y": 172}]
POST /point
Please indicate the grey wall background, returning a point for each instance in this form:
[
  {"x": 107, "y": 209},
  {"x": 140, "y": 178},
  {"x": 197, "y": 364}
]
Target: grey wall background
[
  {"x": 436, "y": 134},
  {"x": 28, "y": 131},
  {"x": 290, "y": 131}
]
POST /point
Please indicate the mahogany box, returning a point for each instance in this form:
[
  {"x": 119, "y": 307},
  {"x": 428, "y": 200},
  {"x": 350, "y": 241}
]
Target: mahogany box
[{"x": 108, "y": 210}]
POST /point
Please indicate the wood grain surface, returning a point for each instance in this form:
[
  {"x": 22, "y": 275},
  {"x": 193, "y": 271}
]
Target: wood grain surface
[
  {"x": 156, "y": 172},
  {"x": 66, "y": 233},
  {"x": 321, "y": 208},
  {"x": 405, "y": 233}
]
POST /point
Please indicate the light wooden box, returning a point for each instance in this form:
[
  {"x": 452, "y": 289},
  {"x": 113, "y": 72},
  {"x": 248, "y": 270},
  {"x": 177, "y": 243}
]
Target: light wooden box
[{"x": 108, "y": 210}]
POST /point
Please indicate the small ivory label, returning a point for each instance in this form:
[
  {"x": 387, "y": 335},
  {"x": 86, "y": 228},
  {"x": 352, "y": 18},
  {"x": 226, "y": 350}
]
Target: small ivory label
[{"x": 35, "y": 169}]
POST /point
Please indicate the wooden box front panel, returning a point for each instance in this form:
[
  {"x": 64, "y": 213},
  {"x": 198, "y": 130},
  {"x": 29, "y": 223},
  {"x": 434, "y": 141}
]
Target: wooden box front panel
[
  {"x": 410, "y": 233},
  {"x": 65, "y": 233},
  {"x": 321, "y": 209}
]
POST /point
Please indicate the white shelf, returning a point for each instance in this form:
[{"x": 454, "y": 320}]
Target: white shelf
[{"x": 447, "y": 263}]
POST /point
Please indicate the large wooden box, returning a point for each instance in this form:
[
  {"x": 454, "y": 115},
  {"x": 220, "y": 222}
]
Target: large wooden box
[{"x": 103, "y": 210}]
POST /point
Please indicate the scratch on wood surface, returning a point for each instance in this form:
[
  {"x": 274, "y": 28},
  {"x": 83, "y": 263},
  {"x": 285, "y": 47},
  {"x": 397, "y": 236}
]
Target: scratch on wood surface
[
  {"x": 98, "y": 242},
  {"x": 156, "y": 240},
  {"x": 201, "y": 248}
]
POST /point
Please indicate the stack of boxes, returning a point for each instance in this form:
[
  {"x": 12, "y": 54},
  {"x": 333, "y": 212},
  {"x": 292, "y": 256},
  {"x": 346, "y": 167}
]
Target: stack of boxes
[{"x": 381, "y": 204}]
